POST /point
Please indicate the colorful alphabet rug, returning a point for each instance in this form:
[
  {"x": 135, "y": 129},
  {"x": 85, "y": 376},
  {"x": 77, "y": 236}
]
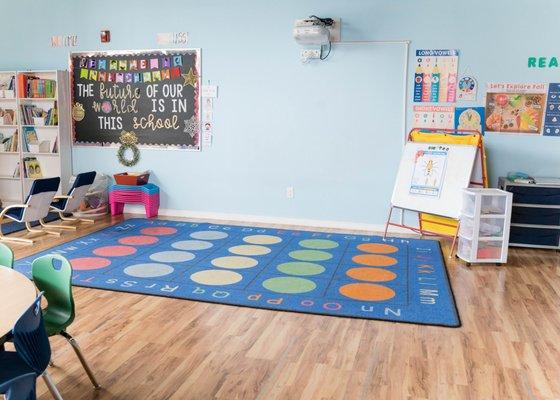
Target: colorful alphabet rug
[{"x": 360, "y": 276}]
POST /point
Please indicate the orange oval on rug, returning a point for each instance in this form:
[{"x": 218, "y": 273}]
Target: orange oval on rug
[
  {"x": 371, "y": 274},
  {"x": 374, "y": 260},
  {"x": 367, "y": 292},
  {"x": 379, "y": 248}
]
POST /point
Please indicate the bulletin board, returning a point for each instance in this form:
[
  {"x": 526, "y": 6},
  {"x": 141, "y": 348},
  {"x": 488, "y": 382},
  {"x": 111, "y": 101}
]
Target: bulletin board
[
  {"x": 431, "y": 177},
  {"x": 153, "y": 93}
]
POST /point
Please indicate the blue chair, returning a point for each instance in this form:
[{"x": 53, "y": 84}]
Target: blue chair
[
  {"x": 21, "y": 387},
  {"x": 69, "y": 203},
  {"x": 31, "y": 358},
  {"x": 35, "y": 208}
]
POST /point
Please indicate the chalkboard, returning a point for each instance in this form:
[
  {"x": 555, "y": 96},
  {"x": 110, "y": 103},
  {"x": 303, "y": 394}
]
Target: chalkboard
[{"x": 153, "y": 93}]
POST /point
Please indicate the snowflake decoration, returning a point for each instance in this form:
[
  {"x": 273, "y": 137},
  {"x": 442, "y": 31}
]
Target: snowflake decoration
[{"x": 191, "y": 126}]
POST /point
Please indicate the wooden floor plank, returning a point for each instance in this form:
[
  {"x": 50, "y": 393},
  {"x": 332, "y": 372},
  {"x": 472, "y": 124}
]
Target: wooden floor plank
[{"x": 146, "y": 347}]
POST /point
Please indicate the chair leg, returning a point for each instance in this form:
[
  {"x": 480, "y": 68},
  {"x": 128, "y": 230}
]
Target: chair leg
[
  {"x": 4, "y": 238},
  {"x": 78, "y": 352},
  {"x": 44, "y": 225},
  {"x": 63, "y": 218},
  {"x": 74, "y": 219},
  {"x": 51, "y": 386},
  {"x": 39, "y": 232}
]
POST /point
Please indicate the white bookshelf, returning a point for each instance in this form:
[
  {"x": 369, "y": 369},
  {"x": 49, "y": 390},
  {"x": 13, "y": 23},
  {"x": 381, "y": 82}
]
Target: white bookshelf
[{"x": 53, "y": 163}]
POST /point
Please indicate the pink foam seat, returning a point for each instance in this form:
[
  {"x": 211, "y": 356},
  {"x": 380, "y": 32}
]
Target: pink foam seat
[{"x": 134, "y": 195}]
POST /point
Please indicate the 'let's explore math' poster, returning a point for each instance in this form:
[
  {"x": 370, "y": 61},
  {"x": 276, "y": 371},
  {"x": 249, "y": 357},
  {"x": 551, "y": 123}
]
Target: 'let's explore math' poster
[
  {"x": 154, "y": 94},
  {"x": 435, "y": 76}
]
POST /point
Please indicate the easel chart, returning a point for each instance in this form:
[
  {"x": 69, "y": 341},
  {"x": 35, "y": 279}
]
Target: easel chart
[{"x": 311, "y": 272}]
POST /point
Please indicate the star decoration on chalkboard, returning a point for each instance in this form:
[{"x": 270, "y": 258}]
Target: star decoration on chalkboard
[
  {"x": 191, "y": 78},
  {"x": 191, "y": 126}
]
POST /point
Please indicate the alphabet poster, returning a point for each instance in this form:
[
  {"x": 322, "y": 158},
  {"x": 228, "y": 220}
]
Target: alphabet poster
[
  {"x": 153, "y": 93},
  {"x": 435, "y": 76}
]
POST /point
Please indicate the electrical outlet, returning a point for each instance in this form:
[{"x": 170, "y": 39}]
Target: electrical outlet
[
  {"x": 308, "y": 54},
  {"x": 290, "y": 192}
]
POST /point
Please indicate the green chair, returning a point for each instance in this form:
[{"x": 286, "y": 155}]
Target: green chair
[
  {"x": 6, "y": 256},
  {"x": 56, "y": 283}
]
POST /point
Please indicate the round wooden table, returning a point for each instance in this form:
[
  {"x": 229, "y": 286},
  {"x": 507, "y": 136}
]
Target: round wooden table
[{"x": 17, "y": 293}]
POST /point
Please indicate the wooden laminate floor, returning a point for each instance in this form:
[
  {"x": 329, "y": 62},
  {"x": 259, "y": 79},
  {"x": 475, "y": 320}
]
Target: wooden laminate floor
[{"x": 145, "y": 347}]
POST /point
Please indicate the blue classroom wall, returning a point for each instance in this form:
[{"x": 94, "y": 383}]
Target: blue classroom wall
[{"x": 332, "y": 130}]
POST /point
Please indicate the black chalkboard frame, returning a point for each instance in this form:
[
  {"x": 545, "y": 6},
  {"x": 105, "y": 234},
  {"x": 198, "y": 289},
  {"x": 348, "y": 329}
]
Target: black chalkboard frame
[{"x": 180, "y": 142}]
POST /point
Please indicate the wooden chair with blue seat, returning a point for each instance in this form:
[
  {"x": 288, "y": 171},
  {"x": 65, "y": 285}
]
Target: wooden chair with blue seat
[
  {"x": 35, "y": 208},
  {"x": 67, "y": 204}
]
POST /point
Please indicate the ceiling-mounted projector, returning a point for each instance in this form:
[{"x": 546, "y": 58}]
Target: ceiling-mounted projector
[{"x": 312, "y": 31}]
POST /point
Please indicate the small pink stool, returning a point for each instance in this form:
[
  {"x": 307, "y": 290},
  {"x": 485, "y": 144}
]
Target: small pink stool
[{"x": 147, "y": 194}]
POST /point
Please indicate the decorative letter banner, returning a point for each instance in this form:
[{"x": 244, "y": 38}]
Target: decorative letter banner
[{"x": 155, "y": 93}]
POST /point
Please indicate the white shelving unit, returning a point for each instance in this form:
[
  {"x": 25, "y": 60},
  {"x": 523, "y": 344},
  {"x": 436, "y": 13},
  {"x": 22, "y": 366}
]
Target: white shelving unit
[
  {"x": 484, "y": 226},
  {"x": 13, "y": 189},
  {"x": 10, "y": 185}
]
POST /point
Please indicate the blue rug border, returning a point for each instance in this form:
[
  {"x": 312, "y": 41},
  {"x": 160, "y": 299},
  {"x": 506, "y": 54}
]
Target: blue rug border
[{"x": 449, "y": 286}]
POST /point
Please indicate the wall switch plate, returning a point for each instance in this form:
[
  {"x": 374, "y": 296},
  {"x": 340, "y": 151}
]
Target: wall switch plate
[
  {"x": 290, "y": 192},
  {"x": 308, "y": 54}
]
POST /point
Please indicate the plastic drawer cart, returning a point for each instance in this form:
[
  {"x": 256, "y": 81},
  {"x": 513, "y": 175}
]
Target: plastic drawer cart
[
  {"x": 484, "y": 226},
  {"x": 535, "y": 215}
]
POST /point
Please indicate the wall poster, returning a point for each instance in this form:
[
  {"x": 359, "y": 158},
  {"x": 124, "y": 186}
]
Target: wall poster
[
  {"x": 470, "y": 119},
  {"x": 552, "y": 115},
  {"x": 435, "y": 117},
  {"x": 435, "y": 76},
  {"x": 515, "y": 107},
  {"x": 429, "y": 172},
  {"x": 153, "y": 93}
]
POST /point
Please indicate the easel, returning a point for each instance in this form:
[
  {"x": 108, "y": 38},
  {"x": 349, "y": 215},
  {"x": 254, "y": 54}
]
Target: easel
[
  {"x": 421, "y": 231},
  {"x": 445, "y": 223}
]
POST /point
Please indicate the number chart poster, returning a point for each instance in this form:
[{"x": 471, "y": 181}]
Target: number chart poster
[
  {"x": 153, "y": 93},
  {"x": 435, "y": 77},
  {"x": 429, "y": 172},
  {"x": 515, "y": 107}
]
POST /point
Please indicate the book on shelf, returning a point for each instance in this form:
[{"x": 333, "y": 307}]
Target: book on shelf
[
  {"x": 30, "y": 86},
  {"x": 32, "y": 167},
  {"x": 30, "y": 111},
  {"x": 16, "y": 171},
  {"x": 7, "y": 82},
  {"x": 29, "y": 136},
  {"x": 10, "y": 143},
  {"x": 7, "y": 117}
]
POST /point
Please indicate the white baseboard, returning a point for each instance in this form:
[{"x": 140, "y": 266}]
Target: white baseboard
[{"x": 261, "y": 219}]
